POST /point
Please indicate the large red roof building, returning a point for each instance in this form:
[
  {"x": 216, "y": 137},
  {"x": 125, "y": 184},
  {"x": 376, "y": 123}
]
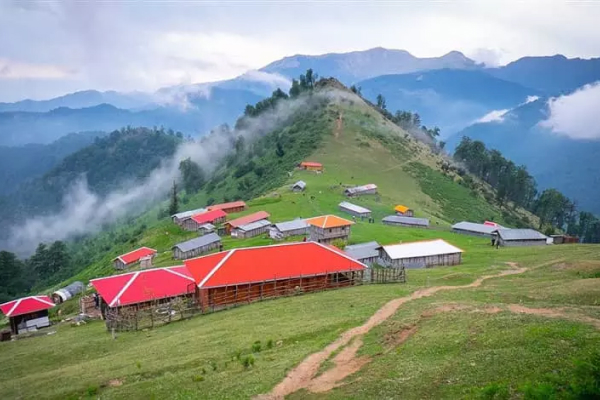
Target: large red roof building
[
  {"x": 231, "y": 207},
  {"x": 144, "y": 286},
  {"x": 249, "y": 274}
]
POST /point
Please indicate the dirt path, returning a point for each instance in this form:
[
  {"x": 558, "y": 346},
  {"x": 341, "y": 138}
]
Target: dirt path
[
  {"x": 303, "y": 376},
  {"x": 339, "y": 125}
]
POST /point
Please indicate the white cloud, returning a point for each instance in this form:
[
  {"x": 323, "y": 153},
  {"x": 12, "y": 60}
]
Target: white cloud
[
  {"x": 531, "y": 99},
  {"x": 272, "y": 79},
  {"x": 575, "y": 115},
  {"x": 493, "y": 116},
  {"x": 10, "y": 69}
]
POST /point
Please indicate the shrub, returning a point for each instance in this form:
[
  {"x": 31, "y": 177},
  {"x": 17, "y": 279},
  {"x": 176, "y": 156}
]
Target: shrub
[
  {"x": 248, "y": 361},
  {"x": 92, "y": 390},
  {"x": 256, "y": 347},
  {"x": 197, "y": 378},
  {"x": 270, "y": 344}
]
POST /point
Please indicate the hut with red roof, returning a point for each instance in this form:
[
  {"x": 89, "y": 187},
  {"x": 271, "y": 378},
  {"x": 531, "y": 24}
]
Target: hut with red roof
[
  {"x": 213, "y": 217},
  {"x": 231, "y": 207},
  {"x": 128, "y": 259},
  {"x": 311, "y": 166},
  {"x": 28, "y": 313},
  {"x": 122, "y": 296},
  {"x": 250, "y": 274},
  {"x": 245, "y": 220}
]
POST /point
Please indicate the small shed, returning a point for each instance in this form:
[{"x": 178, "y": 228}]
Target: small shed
[
  {"x": 299, "y": 186},
  {"x": 410, "y": 222},
  {"x": 68, "y": 292},
  {"x": 355, "y": 210},
  {"x": 231, "y": 207},
  {"x": 422, "y": 254},
  {"x": 206, "y": 228},
  {"x": 366, "y": 253},
  {"x": 252, "y": 229},
  {"x": 370, "y": 188},
  {"x": 245, "y": 220},
  {"x": 311, "y": 166},
  {"x": 403, "y": 211},
  {"x": 127, "y": 259},
  {"x": 214, "y": 217},
  {"x": 181, "y": 217},
  {"x": 197, "y": 246},
  {"x": 28, "y": 313},
  {"x": 282, "y": 230},
  {"x": 473, "y": 229},
  {"x": 520, "y": 237}
]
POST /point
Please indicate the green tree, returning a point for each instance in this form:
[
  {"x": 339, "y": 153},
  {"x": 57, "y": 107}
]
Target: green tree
[
  {"x": 174, "y": 203},
  {"x": 192, "y": 176},
  {"x": 295, "y": 88},
  {"x": 381, "y": 102}
]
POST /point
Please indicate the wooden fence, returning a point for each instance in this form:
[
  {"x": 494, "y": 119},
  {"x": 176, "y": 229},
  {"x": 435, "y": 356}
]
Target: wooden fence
[{"x": 154, "y": 314}]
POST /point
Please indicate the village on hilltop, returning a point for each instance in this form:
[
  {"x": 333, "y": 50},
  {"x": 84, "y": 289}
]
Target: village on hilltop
[{"x": 312, "y": 255}]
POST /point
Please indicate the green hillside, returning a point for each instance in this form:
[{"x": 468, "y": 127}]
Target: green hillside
[{"x": 507, "y": 323}]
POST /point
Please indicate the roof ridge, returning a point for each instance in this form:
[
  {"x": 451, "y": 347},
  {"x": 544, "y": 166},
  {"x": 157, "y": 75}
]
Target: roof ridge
[
  {"x": 214, "y": 270},
  {"x": 179, "y": 274},
  {"x": 129, "y": 283},
  {"x": 44, "y": 301},
  {"x": 9, "y": 313}
]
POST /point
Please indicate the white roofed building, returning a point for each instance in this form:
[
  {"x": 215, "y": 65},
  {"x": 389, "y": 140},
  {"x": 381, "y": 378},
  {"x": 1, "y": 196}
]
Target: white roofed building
[
  {"x": 355, "y": 210},
  {"x": 422, "y": 254},
  {"x": 471, "y": 228}
]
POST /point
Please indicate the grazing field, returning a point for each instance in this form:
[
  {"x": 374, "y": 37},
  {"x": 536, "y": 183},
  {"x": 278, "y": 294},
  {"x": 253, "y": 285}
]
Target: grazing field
[{"x": 469, "y": 342}]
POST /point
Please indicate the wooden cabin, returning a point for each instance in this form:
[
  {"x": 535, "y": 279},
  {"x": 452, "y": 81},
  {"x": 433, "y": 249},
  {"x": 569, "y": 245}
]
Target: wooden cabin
[
  {"x": 244, "y": 275},
  {"x": 473, "y": 229},
  {"x": 28, "y": 313},
  {"x": 282, "y": 230},
  {"x": 361, "y": 190},
  {"x": 366, "y": 253},
  {"x": 422, "y": 254},
  {"x": 213, "y": 217},
  {"x": 251, "y": 230},
  {"x": 519, "y": 237},
  {"x": 181, "y": 217},
  {"x": 410, "y": 222},
  {"x": 229, "y": 208},
  {"x": 133, "y": 257},
  {"x": 197, "y": 246},
  {"x": 311, "y": 166},
  {"x": 354, "y": 210},
  {"x": 299, "y": 186},
  {"x": 327, "y": 228},
  {"x": 403, "y": 211},
  {"x": 248, "y": 219}
]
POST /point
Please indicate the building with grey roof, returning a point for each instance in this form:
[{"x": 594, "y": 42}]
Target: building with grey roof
[
  {"x": 355, "y": 210},
  {"x": 299, "y": 186},
  {"x": 471, "y": 228},
  {"x": 252, "y": 229},
  {"x": 371, "y": 188},
  {"x": 282, "y": 230},
  {"x": 367, "y": 253},
  {"x": 181, "y": 217},
  {"x": 197, "y": 246},
  {"x": 520, "y": 237},
  {"x": 411, "y": 222}
]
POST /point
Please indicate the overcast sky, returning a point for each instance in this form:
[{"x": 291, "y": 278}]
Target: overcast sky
[{"x": 51, "y": 48}]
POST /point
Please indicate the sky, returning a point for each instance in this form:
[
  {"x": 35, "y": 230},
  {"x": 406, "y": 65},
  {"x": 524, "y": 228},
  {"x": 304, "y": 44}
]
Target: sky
[{"x": 51, "y": 48}]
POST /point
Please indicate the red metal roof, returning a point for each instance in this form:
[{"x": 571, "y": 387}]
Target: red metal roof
[
  {"x": 135, "y": 255},
  {"x": 209, "y": 216},
  {"x": 267, "y": 263},
  {"x": 26, "y": 305},
  {"x": 310, "y": 164},
  {"x": 144, "y": 285},
  {"x": 248, "y": 219},
  {"x": 224, "y": 206}
]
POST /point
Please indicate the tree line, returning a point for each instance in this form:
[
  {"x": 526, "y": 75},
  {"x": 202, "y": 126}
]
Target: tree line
[{"x": 514, "y": 184}]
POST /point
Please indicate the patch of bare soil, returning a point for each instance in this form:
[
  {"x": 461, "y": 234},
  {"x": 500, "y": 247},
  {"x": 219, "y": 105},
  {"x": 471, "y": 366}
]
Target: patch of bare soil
[
  {"x": 115, "y": 383},
  {"x": 303, "y": 376},
  {"x": 554, "y": 313}
]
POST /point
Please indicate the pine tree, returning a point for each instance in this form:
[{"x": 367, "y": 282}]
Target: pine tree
[{"x": 174, "y": 204}]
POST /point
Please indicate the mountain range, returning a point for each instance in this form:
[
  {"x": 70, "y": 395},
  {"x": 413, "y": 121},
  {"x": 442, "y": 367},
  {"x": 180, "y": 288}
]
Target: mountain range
[{"x": 452, "y": 92}]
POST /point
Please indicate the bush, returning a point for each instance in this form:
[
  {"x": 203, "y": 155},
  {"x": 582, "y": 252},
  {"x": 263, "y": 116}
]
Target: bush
[
  {"x": 256, "y": 347},
  {"x": 270, "y": 344},
  {"x": 197, "y": 378},
  {"x": 248, "y": 361},
  {"x": 92, "y": 390}
]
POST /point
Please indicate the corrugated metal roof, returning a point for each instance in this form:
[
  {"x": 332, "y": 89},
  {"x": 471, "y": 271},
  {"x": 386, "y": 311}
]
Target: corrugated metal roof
[
  {"x": 198, "y": 242},
  {"x": 190, "y": 213},
  {"x": 248, "y": 219},
  {"x": 363, "y": 250},
  {"x": 473, "y": 227},
  {"x": 299, "y": 184},
  {"x": 291, "y": 225},
  {"x": 135, "y": 255},
  {"x": 424, "y": 248},
  {"x": 208, "y": 226},
  {"x": 363, "y": 188},
  {"x": 400, "y": 208},
  {"x": 520, "y": 234},
  {"x": 254, "y": 225},
  {"x": 26, "y": 305},
  {"x": 354, "y": 207},
  {"x": 406, "y": 220}
]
